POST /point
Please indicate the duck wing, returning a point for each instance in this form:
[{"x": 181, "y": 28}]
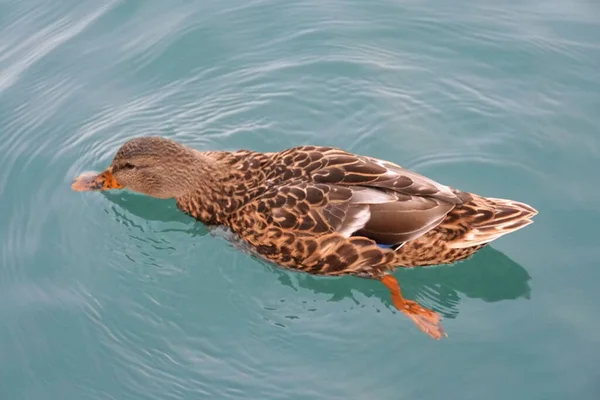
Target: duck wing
[
  {"x": 354, "y": 170},
  {"x": 311, "y": 210},
  {"x": 335, "y": 166}
]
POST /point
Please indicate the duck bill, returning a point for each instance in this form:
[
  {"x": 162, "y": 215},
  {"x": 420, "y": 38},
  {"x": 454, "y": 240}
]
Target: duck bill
[{"x": 92, "y": 181}]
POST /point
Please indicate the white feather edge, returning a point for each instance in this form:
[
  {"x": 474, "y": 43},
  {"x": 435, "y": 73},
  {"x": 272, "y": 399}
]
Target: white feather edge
[
  {"x": 475, "y": 237},
  {"x": 356, "y": 222}
]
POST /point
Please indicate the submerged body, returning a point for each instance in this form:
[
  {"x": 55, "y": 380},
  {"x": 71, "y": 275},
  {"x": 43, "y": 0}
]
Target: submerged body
[{"x": 320, "y": 210}]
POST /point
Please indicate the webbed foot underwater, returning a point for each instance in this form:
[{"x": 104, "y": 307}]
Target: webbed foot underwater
[{"x": 320, "y": 210}]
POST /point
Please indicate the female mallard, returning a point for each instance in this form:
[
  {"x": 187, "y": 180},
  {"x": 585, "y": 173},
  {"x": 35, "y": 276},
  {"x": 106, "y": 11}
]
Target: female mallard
[{"x": 320, "y": 210}]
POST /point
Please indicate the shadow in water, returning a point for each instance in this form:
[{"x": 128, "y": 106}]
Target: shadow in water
[
  {"x": 151, "y": 209},
  {"x": 489, "y": 275}
]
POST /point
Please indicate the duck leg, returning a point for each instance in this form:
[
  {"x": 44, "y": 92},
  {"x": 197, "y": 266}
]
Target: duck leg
[{"x": 427, "y": 320}]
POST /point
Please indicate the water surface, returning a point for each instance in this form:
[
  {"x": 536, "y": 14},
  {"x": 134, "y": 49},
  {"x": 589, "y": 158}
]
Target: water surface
[{"x": 118, "y": 296}]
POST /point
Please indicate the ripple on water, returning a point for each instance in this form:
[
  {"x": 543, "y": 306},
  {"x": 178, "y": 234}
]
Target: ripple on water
[
  {"x": 23, "y": 56},
  {"x": 155, "y": 293}
]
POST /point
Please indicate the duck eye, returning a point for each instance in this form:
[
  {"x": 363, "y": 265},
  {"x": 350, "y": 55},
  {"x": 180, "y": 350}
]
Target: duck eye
[{"x": 128, "y": 166}]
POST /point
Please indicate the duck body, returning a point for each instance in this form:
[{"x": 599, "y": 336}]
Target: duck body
[
  {"x": 320, "y": 210},
  {"x": 325, "y": 211}
]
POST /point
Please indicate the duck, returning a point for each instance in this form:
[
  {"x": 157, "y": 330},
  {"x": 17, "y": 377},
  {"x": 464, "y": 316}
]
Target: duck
[{"x": 319, "y": 210}]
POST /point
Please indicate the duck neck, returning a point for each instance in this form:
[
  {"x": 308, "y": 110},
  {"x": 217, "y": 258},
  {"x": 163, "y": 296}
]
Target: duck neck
[{"x": 209, "y": 197}]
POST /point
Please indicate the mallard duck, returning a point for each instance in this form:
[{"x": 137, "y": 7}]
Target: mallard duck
[{"x": 320, "y": 210}]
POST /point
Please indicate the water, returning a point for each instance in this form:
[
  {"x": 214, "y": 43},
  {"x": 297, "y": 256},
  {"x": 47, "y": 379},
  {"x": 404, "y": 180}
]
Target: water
[{"x": 118, "y": 296}]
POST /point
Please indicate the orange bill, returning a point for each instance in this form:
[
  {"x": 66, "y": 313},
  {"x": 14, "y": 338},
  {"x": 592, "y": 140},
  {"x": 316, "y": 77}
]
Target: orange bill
[{"x": 94, "y": 181}]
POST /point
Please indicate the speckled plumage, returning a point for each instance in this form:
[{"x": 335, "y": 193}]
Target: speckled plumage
[
  {"x": 320, "y": 210},
  {"x": 294, "y": 207}
]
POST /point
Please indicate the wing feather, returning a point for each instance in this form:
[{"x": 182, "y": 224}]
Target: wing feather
[
  {"x": 384, "y": 216},
  {"x": 348, "y": 169},
  {"x": 326, "y": 211}
]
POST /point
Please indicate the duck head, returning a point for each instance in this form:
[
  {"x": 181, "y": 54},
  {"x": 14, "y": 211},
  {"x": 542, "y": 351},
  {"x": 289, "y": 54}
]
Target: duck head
[{"x": 153, "y": 166}]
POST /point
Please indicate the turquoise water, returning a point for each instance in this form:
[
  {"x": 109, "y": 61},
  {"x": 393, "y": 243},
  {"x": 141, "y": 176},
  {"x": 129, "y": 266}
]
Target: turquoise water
[{"x": 118, "y": 296}]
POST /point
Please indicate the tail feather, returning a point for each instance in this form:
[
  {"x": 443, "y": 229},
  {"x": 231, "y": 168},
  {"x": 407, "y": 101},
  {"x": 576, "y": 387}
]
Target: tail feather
[{"x": 490, "y": 218}]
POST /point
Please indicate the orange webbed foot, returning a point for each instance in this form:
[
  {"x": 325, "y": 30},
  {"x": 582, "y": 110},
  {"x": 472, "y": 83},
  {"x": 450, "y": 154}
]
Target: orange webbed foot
[{"x": 427, "y": 320}]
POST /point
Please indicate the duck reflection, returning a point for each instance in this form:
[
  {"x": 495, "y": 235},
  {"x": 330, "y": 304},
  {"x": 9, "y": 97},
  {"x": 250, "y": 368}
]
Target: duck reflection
[
  {"x": 152, "y": 209},
  {"x": 489, "y": 275}
]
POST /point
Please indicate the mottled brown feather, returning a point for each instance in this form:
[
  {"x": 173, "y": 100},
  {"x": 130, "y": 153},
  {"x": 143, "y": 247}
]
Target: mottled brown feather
[{"x": 321, "y": 209}]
